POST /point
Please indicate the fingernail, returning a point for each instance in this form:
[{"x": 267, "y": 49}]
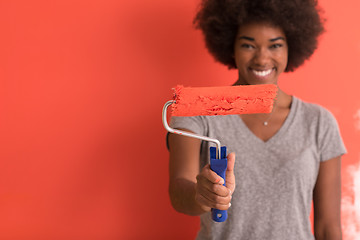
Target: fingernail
[
  {"x": 229, "y": 204},
  {"x": 221, "y": 181}
]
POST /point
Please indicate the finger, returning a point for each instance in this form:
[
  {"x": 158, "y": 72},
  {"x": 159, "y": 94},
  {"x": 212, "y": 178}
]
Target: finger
[
  {"x": 205, "y": 203},
  {"x": 203, "y": 184},
  {"x": 211, "y": 175},
  {"x": 215, "y": 198},
  {"x": 214, "y": 192}
]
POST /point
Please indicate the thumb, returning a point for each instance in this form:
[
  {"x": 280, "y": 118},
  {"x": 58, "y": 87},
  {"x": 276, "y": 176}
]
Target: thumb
[
  {"x": 230, "y": 176},
  {"x": 231, "y": 162}
]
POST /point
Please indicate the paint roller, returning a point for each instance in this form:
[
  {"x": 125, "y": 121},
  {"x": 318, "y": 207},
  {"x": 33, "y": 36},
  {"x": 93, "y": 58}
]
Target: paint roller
[{"x": 210, "y": 101}]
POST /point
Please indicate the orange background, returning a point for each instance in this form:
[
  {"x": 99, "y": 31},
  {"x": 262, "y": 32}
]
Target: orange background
[{"x": 82, "y": 85}]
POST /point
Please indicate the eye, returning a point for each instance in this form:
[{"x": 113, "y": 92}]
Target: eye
[
  {"x": 245, "y": 45},
  {"x": 277, "y": 45}
]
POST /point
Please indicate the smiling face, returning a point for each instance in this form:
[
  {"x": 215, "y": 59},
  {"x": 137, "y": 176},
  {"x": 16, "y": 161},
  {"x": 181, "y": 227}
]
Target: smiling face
[{"x": 261, "y": 53}]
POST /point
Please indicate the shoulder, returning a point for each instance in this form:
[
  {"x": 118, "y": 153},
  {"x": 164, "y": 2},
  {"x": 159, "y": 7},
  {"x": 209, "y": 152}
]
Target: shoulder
[
  {"x": 314, "y": 112},
  {"x": 322, "y": 123}
]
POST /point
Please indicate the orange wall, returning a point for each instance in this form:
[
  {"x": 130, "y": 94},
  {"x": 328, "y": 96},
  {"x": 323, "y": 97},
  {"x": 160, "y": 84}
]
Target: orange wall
[{"x": 82, "y": 84}]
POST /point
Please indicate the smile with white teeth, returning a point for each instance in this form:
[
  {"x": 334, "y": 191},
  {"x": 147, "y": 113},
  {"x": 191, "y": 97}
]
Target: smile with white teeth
[{"x": 262, "y": 73}]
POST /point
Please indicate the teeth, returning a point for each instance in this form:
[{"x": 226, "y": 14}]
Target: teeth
[{"x": 262, "y": 73}]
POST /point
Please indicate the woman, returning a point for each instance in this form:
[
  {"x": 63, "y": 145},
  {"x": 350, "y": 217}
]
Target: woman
[{"x": 284, "y": 159}]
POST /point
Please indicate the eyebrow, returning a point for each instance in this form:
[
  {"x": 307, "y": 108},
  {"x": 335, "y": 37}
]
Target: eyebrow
[
  {"x": 278, "y": 38},
  {"x": 253, "y": 39}
]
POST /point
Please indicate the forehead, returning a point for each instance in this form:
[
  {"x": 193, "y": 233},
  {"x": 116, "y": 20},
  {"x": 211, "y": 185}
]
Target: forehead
[{"x": 260, "y": 30}]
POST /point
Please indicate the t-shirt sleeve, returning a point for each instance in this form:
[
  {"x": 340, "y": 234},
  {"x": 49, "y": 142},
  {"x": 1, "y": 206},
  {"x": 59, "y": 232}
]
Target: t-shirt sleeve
[
  {"x": 330, "y": 142},
  {"x": 194, "y": 124}
]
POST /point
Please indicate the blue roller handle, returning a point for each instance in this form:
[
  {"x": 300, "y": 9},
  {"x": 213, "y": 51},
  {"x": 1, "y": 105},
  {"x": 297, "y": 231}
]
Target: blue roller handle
[{"x": 219, "y": 166}]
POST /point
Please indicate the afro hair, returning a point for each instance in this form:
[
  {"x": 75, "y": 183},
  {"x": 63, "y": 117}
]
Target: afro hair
[{"x": 220, "y": 20}]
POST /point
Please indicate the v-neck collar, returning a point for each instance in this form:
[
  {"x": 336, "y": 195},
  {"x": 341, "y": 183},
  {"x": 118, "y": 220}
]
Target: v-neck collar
[{"x": 283, "y": 128}]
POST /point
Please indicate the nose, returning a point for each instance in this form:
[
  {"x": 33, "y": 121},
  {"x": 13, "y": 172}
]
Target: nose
[{"x": 262, "y": 57}]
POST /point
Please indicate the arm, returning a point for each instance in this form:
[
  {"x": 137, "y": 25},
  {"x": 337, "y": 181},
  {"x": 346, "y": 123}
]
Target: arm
[
  {"x": 327, "y": 201},
  {"x": 193, "y": 191}
]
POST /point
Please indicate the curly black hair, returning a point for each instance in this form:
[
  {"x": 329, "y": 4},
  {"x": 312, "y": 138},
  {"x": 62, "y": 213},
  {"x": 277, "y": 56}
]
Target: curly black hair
[{"x": 300, "y": 20}]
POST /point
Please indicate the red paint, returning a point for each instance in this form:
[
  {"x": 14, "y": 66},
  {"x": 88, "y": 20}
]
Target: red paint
[{"x": 224, "y": 100}]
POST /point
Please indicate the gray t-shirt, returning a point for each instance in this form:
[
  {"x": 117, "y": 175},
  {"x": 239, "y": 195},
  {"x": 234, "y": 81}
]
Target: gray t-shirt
[{"x": 274, "y": 179}]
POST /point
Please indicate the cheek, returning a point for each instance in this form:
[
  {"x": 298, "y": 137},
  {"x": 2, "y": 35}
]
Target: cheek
[
  {"x": 282, "y": 57},
  {"x": 241, "y": 60},
  {"x": 285, "y": 55}
]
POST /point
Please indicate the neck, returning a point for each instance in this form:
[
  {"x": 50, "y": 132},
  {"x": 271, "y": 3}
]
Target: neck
[{"x": 283, "y": 100}]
